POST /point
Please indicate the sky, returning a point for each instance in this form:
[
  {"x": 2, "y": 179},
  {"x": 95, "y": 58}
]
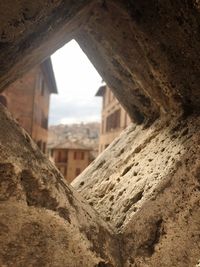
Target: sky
[{"x": 77, "y": 81}]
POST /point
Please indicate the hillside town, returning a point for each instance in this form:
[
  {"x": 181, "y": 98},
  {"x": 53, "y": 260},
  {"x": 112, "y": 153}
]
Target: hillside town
[{"x": 85, "y": 133}]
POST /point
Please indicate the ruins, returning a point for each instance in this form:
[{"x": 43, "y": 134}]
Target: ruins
[{"x": 138, "y": 203}]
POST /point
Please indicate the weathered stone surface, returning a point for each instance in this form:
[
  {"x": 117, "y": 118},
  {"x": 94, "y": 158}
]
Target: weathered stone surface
[
  {"x": 30, "y": 31},
  {"x": 149, "y": 192},
  {"x": 147, "y": 185},
  {"x": 43, "y": 221},
  {"x": 144, "y": 51},
  {"x": 147, "y": 52}
]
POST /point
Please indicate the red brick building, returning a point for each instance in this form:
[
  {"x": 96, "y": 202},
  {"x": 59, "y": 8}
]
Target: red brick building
[{"x": 28, "y": 101}]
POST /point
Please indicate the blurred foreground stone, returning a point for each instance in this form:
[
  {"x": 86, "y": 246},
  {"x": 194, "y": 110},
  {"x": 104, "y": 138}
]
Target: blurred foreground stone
[{"x": 43, "y": 221}]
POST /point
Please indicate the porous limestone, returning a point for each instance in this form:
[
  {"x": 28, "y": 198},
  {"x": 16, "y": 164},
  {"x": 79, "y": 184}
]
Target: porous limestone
[
  {"x": 43, "y": 221},
  {"x": 147, "y": 185}
]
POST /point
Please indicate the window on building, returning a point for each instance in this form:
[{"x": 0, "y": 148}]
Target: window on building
[
  {"x": 65, "y": 156},
  {"x": 113, "y": 120},
  {"x": 79, "y": 155},
  {"x": 44, "y": 147},
  {"x": 82, "y": 155},
  {"x": 52, "y": 153},
  {"x": 39, "y": 116},
  {"x": 78, "y": 171},
  {"x": 44, "y": 122},
  {"x": 62, "y": 156},
  {"x": 59, "y": 156},
  {"x": 42, "y": 87},
  {"x": 3, "y": 100}
]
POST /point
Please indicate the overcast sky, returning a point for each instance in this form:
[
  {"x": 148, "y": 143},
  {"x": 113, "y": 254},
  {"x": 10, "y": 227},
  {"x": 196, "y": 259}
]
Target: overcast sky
[{"x": 77, "y": 82}]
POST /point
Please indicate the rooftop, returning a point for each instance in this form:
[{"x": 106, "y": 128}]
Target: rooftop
[{"x": 71, "y": 145}]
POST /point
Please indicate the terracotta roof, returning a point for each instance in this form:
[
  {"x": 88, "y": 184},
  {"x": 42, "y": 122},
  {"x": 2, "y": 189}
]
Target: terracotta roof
[
  {"x": 49, "y": 74},
  {"x": 101, "y": 91},
  {"x": 70, "y": 145}
]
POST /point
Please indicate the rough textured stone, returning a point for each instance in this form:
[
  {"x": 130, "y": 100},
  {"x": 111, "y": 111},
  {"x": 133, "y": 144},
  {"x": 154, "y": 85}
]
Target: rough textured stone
[
  {"x": 32, "y": 31},
  {"x": 146, "y": 184},
  {"x": 150, "y": 192},
  {"x": 144, "y": 51},
  {"x": 147, "y": 52},
  {"x": 43, "y": 221}
]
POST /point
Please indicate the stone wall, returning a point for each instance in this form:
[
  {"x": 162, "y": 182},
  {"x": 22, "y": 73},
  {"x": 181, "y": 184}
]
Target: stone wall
[
  {"x": 148, "y": 53},
  {"x": 145, "y": 186},
  {"x": 44, "y": 222},
  {"x": 149, "y": 192}
]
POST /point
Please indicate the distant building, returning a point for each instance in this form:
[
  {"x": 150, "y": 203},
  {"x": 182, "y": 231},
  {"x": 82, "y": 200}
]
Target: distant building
[
  {"x": 70, "y": 158},
  {"x": 114, "y": 118},
  {"x": 28, "y": 101}
]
